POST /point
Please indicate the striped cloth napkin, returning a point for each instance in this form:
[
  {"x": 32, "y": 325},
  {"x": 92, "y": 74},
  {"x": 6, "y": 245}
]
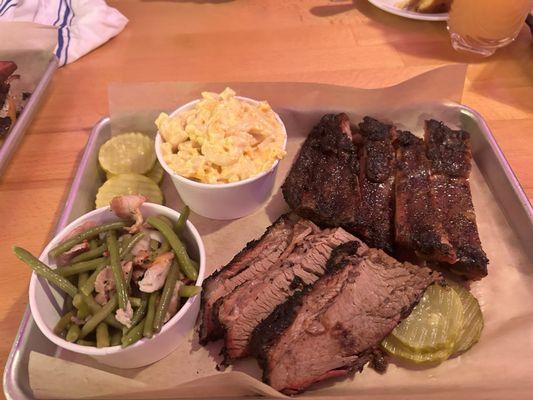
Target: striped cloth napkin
[{"x": 82, "y": 25}]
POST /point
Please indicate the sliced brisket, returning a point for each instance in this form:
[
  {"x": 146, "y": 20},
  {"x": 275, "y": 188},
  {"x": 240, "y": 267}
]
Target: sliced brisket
[
  {"x": 251, "y": 262},
  {"x": 322, "y": 184},
  {"x": 418, "y": 226},
  {"x": 375, "y": 217},
  {"x": 244, "y": 308},
  {"x": 334, "y": 326}
]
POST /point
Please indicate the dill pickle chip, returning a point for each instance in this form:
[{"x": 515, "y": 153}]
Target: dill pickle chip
[
  {"x": 435, "y": 322},
  {"x": 156, "y": 173},
  {"x": 397, "y": 349},
  {"x": 127, "y": 153},
  {"x": 472, "y": 320},
  {"x": 128, "y": 184}
]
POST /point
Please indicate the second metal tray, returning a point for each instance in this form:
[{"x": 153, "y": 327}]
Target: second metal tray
[
  {"x": 14, "y": 136},
  {"x": 87, "y": 179}
]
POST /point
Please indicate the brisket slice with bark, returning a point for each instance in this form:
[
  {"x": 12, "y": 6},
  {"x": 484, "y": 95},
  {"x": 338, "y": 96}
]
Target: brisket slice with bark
[
  {"x": 417, "y": 220},
  {"x": 322, "y": 184},
  {"x": 450, "y": 155},
  {"x": 333, "y": 327},
  {"x": 375, "y": 219},
  {"x": 244, "y": 308},
  {"x": 251, "y": 262}
]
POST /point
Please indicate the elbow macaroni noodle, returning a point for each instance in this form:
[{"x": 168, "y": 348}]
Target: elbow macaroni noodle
[{"x": 221, "y": 139}]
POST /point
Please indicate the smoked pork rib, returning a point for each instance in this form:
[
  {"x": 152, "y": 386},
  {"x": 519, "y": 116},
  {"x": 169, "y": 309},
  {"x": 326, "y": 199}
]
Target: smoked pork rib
[
  {"x": 334, "y": 326},
  {"x": 450, "y": 155},
  {"x": 322, "y": 184},
  {"x": 243, "y": 309},
  {"x": 375, "y": 216},
  {"x": 448, "y": 150},
  {"x": 418, "y": 226},
  {"x": 252, "y": 261}
]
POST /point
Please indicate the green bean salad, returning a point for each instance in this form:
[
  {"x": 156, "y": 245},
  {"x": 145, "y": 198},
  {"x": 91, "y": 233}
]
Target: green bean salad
[{"x": 122, "y": 281}]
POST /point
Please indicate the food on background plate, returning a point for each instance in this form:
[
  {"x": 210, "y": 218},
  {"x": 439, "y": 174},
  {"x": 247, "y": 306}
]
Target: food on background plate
[
  {"x": 122, "y": 281},
  {"x": 426, "y": 6},
  {"x": 130, "y": 166},
  {"x": 12, "y": 99},
  {"x": 406, "y": 195},
  {"x": 222, "y": 139}
]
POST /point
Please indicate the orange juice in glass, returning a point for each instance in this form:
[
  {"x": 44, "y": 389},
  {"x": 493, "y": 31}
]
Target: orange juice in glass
[{"x": 482, "y": 26}]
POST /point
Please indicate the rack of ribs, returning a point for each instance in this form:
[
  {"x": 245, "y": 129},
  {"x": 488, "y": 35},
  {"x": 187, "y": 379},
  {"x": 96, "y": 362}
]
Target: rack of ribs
[
  {"x": 322, "y": 184},
  {"x": 450, "y": 157}
]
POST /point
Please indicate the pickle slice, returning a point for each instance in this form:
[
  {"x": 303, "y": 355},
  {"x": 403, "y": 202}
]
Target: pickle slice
[
  {"x": 127, "y": 153},
  {"x": 472, "y": 320},
  {"x": 435, "y": 323},
  {"x": 397, "y": 349},
  {"x": 156, "y": 173},
  {"x": 128, "y": 184}
]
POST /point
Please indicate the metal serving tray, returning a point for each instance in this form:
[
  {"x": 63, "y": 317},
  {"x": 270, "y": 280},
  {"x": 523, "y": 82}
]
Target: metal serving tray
[
  {"x": 486, "y": 152},
  {"x": 14, "y": 136}
]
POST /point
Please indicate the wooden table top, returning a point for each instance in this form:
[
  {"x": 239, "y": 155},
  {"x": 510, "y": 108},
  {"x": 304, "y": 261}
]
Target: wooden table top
[{"x": 347, "y": 43}]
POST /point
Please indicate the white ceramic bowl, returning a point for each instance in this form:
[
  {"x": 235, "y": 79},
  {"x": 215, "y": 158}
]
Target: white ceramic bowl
[
  {"x": 46, "y": 301},
  {"x": 224, "y": 200}
]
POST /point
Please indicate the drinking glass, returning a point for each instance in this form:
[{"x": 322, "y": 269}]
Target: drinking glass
[{"x": 482, "y": 26}]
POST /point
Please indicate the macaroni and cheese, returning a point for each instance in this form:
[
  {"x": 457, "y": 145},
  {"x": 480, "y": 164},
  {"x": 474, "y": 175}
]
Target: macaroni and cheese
[{"x": 221, "y": 139}]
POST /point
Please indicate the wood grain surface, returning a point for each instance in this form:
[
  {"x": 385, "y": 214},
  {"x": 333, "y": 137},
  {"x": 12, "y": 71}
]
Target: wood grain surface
[{"x": 340, "y": 42}]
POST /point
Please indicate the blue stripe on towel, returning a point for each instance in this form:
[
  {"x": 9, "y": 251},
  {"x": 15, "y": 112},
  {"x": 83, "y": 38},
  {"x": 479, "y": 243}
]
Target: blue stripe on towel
[
  {"x": 58, "y": 13},
  {"x": 68, "y": 30},
  {"x": 60, "y": 36},
  {"x": 3, "y": 7},
  {"x": 12, "y": 5}
]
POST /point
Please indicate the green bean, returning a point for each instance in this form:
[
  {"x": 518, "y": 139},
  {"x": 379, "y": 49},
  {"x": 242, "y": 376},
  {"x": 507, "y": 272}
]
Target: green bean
[
  {"x": 116, "y": 337},
  {"x": 82, "y": 342},
  {"x": 88, "y": 234},
  {"x": 154, "y": 244},
  {"x": 148, "y": 330},
  {"x": 98, "y": 317},
  {"x": 73, "y": 333},
  {"x": 88, "y": 286},
  {"x": 45, "y": 271},
  {"x": 82, "y": 278},
  {"x": 168, "y": 289},
  {"x": 166, "y": 220},
  {"x": 81, "y": 306},
  {"x": 131, "y": 244},
  {"x": 112, "y": 247},
  {"x": 182, "y": 220},
  {"x": 67, "y": 306},
  {"x": 135, "y": 301},
  {"x": 95, "y": 307},
  {"x": 84, "y": 266},
  {"x": 179, "y": 249},
  {"x": 93, "y": 244},
  {"x": 189, "y": 290},
  {"x": 102, "y": 335},
  {"x": 63, "y": 322},
  {"x": 134, "y": 334},
  {"x": 89, "y": 255},
  {"x": 140, "y": 312},
  {"x": 124, "y": 241}
]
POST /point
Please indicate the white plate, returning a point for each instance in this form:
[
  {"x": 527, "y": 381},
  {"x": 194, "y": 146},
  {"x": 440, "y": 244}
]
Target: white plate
[{"x": 391, "y": 6}]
